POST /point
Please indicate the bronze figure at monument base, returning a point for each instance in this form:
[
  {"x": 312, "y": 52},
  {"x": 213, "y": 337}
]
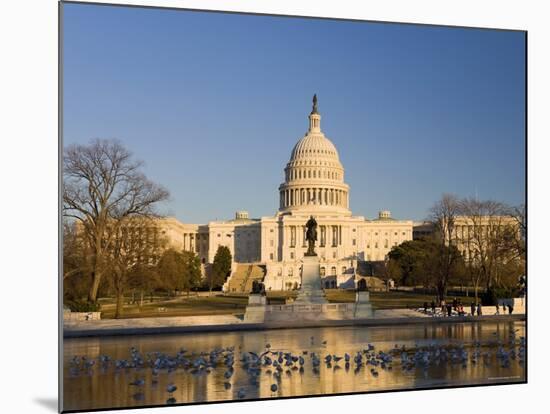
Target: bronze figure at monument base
[{"x": 311, "y": 236}]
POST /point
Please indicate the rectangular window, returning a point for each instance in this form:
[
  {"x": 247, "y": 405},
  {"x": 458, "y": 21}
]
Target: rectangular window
[
  {"x": 270, "y": 256},
  {"x": 353, "y": 242},
  {"x": 292, "y": 255},
  {"x": 323, "y": 236},
  {"x": 292, "y": 236}
]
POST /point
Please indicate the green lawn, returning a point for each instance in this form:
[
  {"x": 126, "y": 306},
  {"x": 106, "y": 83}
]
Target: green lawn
[
  {"x": 382, "y": 300},
  {"x": 181, "y": 306},
  {"x": 219, "y": 304}
]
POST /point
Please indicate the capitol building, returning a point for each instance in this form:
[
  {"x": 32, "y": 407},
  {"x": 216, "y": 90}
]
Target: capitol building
[{"x": 271, "y": 248}]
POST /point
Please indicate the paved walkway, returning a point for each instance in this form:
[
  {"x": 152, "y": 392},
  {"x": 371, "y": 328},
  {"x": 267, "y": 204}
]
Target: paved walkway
[
  {"x": 218, "y": 323},
  {"x": 167, "y": 321},
  {"x": 485, "y": 311}
]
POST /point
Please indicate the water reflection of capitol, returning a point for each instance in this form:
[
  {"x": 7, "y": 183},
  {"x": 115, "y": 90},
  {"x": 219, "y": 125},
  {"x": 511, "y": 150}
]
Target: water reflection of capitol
[
  {"x": 109, "y": 388},
  {"x": 273, "y": 246}
]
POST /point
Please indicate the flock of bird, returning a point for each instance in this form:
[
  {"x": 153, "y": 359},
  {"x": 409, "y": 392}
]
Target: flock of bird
[{"x": 278, "y": 363}]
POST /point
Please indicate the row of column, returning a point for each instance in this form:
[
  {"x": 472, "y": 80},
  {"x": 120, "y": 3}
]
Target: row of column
[
  {"x": 189, "y": 241},
  {"x": 313, "y": 196},
  {"x": 298, "y": 174},
  {"x": 328, "y": 236}
]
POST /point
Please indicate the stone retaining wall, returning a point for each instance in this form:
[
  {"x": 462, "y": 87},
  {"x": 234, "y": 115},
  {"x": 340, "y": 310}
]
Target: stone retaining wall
[
  {"x": 81, "y": 316},
  {"x": 306, "y": 312}
]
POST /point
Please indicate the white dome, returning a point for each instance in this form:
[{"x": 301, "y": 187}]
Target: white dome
[
  {"x": 315, "y": 147},
  {"x": 314, "y": 177}
]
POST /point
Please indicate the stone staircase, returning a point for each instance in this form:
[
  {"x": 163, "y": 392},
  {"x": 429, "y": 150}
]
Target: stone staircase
[
  {"x": 369, "y": 271},
  {"x": 243, "y": 276}
]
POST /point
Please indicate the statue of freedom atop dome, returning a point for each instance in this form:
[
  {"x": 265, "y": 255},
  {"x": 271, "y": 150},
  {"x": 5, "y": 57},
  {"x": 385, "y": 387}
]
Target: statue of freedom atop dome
[
  {"x": 314, "y": 110},
  {"x": 311, "y": 236}
]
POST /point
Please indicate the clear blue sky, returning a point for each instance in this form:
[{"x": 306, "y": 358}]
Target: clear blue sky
[{"x": 213, "y": 103}]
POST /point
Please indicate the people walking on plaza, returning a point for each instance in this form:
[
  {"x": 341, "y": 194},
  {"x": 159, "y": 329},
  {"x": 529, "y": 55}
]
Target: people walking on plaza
[
  {"x": 473, "y": 308},
  {"x": 449, "y": 309},
  {"x": 433, "y": 307}
]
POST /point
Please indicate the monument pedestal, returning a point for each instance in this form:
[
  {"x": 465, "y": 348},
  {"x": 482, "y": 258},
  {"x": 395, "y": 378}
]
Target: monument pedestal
[
  {"x": 255, "y": 310},
  {"x": 363, "y": 307},
  {"x": 311, "y": 303},
  {"x": 311, "y": 291}
]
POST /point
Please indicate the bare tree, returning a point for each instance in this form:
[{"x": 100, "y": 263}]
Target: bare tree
[
  {"x": 443, "y": 215},
  {"x": 74, "y": 255},
  {"x": 76, "y": 264},
  {"x": 518, "y": 213},
  {"x": 488, "y": 238},
  {"x": 103, "y": 185},
  {"x": 136, "y": 246}
]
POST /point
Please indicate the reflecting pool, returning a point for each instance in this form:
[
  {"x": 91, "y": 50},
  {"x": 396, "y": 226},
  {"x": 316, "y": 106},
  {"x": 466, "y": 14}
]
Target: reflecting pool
[{"x": 128, "y": 371}]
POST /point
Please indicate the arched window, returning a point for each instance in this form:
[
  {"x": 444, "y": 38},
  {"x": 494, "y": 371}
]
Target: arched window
[
  {"x": 333, "y": 270},
  {"x": 323, "y": 271},
  {"x": 343, "y": 269}
]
